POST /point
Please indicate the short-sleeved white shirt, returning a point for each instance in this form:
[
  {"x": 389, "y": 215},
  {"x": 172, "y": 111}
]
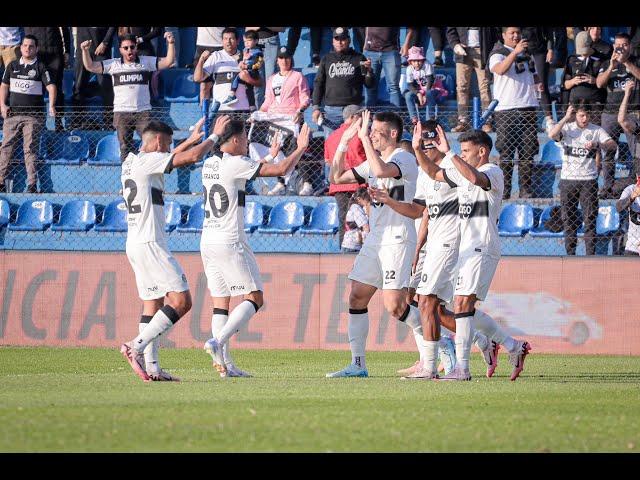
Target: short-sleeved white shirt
[
  {"x": 131, "y": 82},
  {"x": 355, "y": 219},
  {"x": 223, "y": 67},
  {"x": 224, "y": 180},
  {"x": 142, "y": 180},
  {"x": 479, "y": 210},
  {"x": 387, "y": 227},
  {"x": 441, "y": 200},
  {"x": 513, "y": 89},
  {"x": 633, "y": 235},
  {"x": 578, "y": 162}
]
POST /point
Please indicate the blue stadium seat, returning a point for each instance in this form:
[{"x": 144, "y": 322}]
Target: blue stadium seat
[
  {"x": 5, "y": 212},
  {"x": 324, "y": 220},
  {"x": 195, "y": 219},
  {"x": 114, "y": 218},
  {"x": 608, "y": 221},
  {"x": 552, "y": 153},
  {"x": 253, "y": 216},
  {"x": 107, "y": 151},
  {"x": 33, "y": 215},
  {"x": 172, "y": 215},
  {"x": 75, "y": 148},
  {"x": 285, "y": 217},
  {"x": 515, "y": 220},
  {"x": 540, "y": 230},
  {"x": 184, "y": 90},
  {"x": 76, "y": 216}
]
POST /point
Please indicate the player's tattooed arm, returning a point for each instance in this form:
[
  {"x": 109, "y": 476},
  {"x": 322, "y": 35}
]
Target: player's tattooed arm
[{"x": 337, "y": 173}]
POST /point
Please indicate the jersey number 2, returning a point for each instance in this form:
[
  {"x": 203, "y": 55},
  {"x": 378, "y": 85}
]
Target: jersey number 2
[{"x": 133, "y": 191}]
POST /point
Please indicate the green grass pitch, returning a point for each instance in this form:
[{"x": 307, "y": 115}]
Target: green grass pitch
[{"x": 89, "y": 400}]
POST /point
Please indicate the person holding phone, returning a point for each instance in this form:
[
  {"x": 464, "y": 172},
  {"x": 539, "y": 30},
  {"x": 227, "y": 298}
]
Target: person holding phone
[
  {"x": 630, "y": 200},
  {"x": 579, "y": 79}
]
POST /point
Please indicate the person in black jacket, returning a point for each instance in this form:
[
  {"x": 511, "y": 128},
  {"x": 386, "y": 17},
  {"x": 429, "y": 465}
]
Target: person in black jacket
[
  {"x": 99, "y": 37},
  {"x": 341, "y": 75},
  {"x": 471, "y": 46},
  {"x": 541, "y": 45},
  {"x": 53, "y": 51},
  {"x": 601, "y": 50}
]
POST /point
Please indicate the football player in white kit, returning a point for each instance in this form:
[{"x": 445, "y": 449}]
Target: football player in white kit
[
  {"x": 162, "y": 285},
  {"x": 229, "y": 263},
  {"x": 480, "y": 186},
  {"x": 384, "y": 262},
  {"x": 437, "y": 204}
]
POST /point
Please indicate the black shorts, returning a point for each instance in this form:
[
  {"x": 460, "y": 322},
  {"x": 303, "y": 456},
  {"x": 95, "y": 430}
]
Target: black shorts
[{"x": 199, "y": 50}]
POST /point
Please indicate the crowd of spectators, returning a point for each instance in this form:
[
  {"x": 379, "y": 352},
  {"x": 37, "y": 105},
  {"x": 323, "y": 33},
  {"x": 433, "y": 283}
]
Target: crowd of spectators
[{"x": 245, "y": 69}]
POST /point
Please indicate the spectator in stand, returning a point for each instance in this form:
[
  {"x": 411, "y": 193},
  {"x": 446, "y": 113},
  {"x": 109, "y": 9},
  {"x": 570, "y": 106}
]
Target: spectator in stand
[
  {"x": 471, "y": 46},
  {"x": 630, "y": 199},
  {"x": 287, "y": 93},
  {"x": 175, "y": 31},
  {"x": 22, "y": 84},
  {"x": 579, "y": 79},
  {"x": 269, "y": 41},
  {"x": 131, "y": 76},
  {"x": 356, "y": 222},
  {"x": 515, "y": 85},
  {"x": 341, "y": 75},
  {"x": 355, "y": 156},
  {"x": 614, "y": 73},
  {"x": 53, "y": 49},
  {"x": 143, "y": 37},
  {"x": 581, "y": 142},
  {"x": 100, "y": 50},
  {"x": 419, "y": 76},
  {"x": 631, "y": 126},
  {"x": 541, "y": 42},
  {"x": 252, "y": 60},
  {"x": 382, "y": 48},
  {"x": 208, "y": 38},
  {"x": 222, "y": 65},
  {"x": 9, "y": 45},
  {"x": 419, "y": 36},
  {"x": 601, "y": 49}
]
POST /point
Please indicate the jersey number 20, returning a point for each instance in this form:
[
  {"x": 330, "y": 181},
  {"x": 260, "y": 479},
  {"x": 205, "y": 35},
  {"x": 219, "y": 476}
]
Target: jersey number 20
[{"x": 209, "y": 198}]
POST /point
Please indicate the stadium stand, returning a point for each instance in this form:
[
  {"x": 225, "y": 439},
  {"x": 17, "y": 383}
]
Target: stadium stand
[{"x": 76, "y": 216}]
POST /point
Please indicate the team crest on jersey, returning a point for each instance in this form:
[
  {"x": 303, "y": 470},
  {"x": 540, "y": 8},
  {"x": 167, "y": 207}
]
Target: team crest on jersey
[
  {"x": 470, "y": 187},
  {"x": 436, "y": 186},
  {"x": 589, "y": 136},
  {"x": 32, "y": 73}
]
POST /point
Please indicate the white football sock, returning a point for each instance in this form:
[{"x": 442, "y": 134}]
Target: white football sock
[
  {"x": 493, "y": 330},
  {"x": 431, "y": 356},
  {"x": 239, "y": 317},
  {"x": 161, "y": 322},
  {"x": 480, "y": 339},
  {"x": 420, "y": 343},
  {"x": 358, "y": 331},
  {"x": 218, "y": 321},
  {"x": 151, "y": 360},
  {"x": 445, "y": 331},
  {"x": 463, "y": 341},
  {"x": 411, "y": 317}
]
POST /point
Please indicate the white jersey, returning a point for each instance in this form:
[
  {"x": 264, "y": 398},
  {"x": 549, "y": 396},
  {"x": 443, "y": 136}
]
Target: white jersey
[
  {"x": 223, "y": 67},
  {"x": 387, "y": 226},
  {"x": 578, "y": 162},
  {"x": 131, "y": 82},
  {"x": 143, "y": 188},
  {"x": 479, "y": 210},
  {"x": 516, "y": 87},
  {"x": 441, "y": 200},
  {"x": 224, "y": 183},
  {"x": 633, "y": 235}
]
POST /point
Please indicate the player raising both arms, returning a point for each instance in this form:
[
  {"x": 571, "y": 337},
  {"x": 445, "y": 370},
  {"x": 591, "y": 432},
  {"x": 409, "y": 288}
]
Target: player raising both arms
[
  {"x": 480, "y": 185},
  {"x": 162, "y": 285},
  {"x": 229, "y": 263},
  {"x": 384, "y": 262}
]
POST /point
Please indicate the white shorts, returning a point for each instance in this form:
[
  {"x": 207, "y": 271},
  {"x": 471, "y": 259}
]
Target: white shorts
[
  {"x": 231, "y": 269},
  {"x": 475, "y": 273},
  {"x": 439, "y": 273},
  {"x": 386, "y": 267},
  {"x": 415, "y": 278},
  {"x": 156, "y": 271}
]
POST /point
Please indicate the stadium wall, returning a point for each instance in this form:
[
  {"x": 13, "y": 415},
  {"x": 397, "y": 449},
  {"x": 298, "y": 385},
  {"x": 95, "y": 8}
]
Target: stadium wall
[{"x": 561, "y": 304}]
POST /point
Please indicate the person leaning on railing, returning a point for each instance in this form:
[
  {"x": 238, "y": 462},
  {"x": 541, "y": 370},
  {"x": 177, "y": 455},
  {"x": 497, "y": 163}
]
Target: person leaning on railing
[{"x": 581, "y": 142}]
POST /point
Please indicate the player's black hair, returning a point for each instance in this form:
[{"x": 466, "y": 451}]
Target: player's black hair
[
  {"x": 154, "y": 126},
  {"x": 477, "y": 137},
  {"x": 391, "y": 118},
  {"x": 31, "y": 37},
  {"x": 234, "y": 127}
]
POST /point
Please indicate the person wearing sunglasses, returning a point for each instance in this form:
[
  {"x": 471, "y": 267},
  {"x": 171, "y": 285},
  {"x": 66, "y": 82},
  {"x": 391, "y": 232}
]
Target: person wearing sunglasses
[{"x": 131, "y": 75}]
